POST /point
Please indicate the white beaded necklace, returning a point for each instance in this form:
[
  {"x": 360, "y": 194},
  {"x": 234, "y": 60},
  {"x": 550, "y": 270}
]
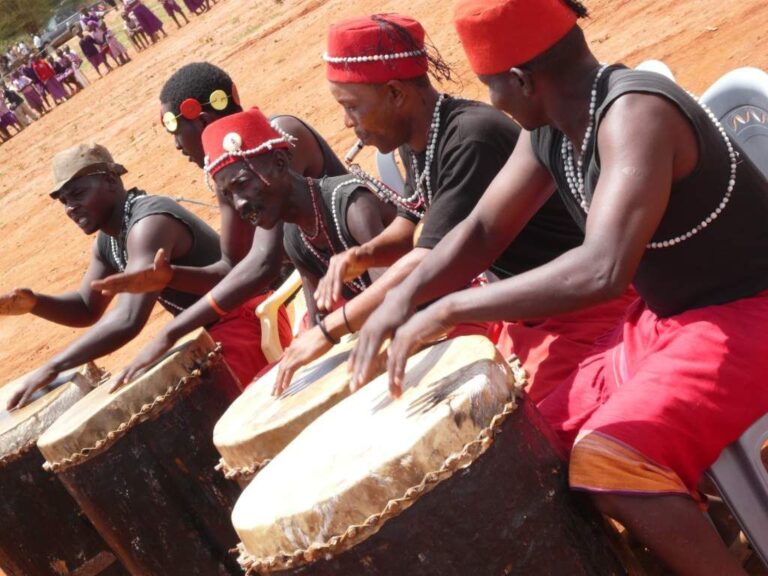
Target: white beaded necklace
[
  {"x": 422, "y": 182},
  {"x": 356, "y": 285},
  {"x": 386, "y": 194},
  {"x": 575, "y": 175},
  {"x": 119, "y": 255}
]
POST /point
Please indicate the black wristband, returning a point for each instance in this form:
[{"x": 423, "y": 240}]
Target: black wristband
[
  {"x": 346, "y": 322},
  {"x": 319, "y": 320}
]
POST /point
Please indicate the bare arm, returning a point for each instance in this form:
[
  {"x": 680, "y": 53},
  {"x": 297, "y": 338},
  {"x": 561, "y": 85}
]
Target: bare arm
[
  {"x": 126, "y": 320},
  {"x": 640, "y": 161}
]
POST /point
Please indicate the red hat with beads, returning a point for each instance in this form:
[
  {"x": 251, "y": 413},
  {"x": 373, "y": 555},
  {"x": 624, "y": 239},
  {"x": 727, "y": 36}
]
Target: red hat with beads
[
  {"x": 500, "y": 34},
  {"x": 376, "y": 49},
  {"x": 238, "y": 136}
]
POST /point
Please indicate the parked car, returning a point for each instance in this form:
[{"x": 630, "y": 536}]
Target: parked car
[{"x": 59, "y": 29}]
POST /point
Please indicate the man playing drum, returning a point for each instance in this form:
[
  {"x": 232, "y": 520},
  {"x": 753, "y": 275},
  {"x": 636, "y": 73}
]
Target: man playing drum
[
  {"x": 132, "y": 226},
  {"x": 249, "y": 163},
  {"x": 378, "y": 68},
  {"x": 251, "y": 257},
  {"x": 669, "y": 204}
]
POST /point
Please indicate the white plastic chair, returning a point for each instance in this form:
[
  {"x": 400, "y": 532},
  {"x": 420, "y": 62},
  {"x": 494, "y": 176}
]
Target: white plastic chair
[
  {"x": 740, "y": 101},
  {"x": 656, "y": 66},
  {"x": 742, "y": 480},
  {"x": 268, "y": 310},
  {"x": 389, "y": 172}
]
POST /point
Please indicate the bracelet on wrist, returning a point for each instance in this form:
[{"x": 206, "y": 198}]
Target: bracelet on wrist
[{"x": 320, "y": 322}]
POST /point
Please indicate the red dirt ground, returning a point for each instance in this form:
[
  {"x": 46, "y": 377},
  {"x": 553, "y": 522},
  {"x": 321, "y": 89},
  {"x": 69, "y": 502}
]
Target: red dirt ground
[{"x": 272, "y": 49}]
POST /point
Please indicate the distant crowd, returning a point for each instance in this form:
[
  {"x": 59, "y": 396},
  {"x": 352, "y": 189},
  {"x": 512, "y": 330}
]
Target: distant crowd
[{"x": 36, "y": 80}]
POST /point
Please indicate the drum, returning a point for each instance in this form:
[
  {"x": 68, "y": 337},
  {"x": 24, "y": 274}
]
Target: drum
[
  {"x": 258, "y": 425},
  {"x": 455, "y": 477},
  {"x": 42, "y": 530},
  {"x": 140, "y": 462}
]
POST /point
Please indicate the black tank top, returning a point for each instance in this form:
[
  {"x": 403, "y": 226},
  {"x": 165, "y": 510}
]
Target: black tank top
[
  {"x": 726, "y": 260},
  {"x": 332, "y": 166},
  {"x": 205, "y": 249},
  {"x": 336, "y": 194}
]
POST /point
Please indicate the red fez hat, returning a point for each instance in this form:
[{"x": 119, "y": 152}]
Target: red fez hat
[
  {"x": 376, "y": 49},
  {"x": 500, "y": 34},
  {"x": 240, "y": 135}
]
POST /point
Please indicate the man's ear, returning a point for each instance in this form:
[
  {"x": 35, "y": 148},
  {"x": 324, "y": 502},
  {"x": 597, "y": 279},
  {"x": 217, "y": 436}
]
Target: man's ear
[
  {"x": 523, "y": 78},
  {"x": 396, "y": 92},
  {"x": 281, "y": 159}
]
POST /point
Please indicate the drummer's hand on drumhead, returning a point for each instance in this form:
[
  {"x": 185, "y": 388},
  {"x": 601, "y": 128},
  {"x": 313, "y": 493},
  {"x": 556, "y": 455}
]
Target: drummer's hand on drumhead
[
  {"x": 343, "y": 267},
  {"x": 307, "y": 347},
  {"x": 153, "y": 279},
  {"x": 35, "y": 381},
  {"x": 150, "y": 354},
  {"x": 424, "y": 327},
  {"x": 17, "y": 302},
  {"x": 379, "y": 326}
]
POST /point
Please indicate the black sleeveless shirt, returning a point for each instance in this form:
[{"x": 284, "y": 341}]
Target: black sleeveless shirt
[
  {"x": 335, "y": 196},
  {"x": 726, "y": 260},
  {"x": 204, "y": 252}
]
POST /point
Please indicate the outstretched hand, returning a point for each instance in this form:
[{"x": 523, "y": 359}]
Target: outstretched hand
[
  {"x": 153, "y": 279},
  {"x": 343, "y": 267},
  {"x": 150, "y": 354},
  {"x": 38, "y": 379},
  {"x": 17, "y": 302},
  {"x": 426, "y": 326},
  {"x": 304, "y": 349}
]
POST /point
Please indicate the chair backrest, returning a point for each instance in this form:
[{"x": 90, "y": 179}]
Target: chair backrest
[
  {"x": 740, "y": 101},
  {"x": 389, "y": 172},
  {"x": 656, "y": 66}
]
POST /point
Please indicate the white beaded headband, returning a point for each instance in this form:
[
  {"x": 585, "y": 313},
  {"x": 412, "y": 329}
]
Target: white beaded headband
[
  {"x": 232, "y": 145},
  {"x": 373, "y": 57}
]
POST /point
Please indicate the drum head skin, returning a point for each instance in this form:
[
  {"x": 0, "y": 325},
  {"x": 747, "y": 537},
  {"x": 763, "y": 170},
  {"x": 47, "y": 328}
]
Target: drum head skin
[
  {"x": 258, "y": 425},
  {"x": 371, "y": 449},
  {"x": 94, "y": 420},
  {"x": 22, "y": 427}
]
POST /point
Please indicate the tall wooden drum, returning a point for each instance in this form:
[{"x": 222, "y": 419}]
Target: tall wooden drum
[
  {"x": 42, "y": 530},
  {"x": 258, "y": 425},
  {"x": 455, "y": 478},
  {"x": 140, "y": 462}
]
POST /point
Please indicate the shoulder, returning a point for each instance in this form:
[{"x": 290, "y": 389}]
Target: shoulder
[{"x": 469, "y": 122}]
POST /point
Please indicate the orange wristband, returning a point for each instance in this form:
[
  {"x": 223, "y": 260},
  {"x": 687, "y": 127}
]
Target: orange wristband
[{"x": 215, "y": 305}]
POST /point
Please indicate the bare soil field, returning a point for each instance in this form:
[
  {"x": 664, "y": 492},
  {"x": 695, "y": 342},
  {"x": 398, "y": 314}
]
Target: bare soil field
[{"x": 272, "y": 49}]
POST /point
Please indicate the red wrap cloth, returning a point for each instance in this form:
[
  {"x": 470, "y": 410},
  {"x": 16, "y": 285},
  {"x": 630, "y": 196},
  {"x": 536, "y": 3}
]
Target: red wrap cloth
[
  {"x": 655, "y": 407},
  {"x": 240, "y": 335},
  {"x": 551, "y": 349}
]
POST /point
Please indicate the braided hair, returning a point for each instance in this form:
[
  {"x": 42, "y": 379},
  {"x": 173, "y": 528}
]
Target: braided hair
[{"x": 438, "y": 68}]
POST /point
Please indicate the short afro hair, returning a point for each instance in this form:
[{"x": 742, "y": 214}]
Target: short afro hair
[{"x": 198, "y": 80}]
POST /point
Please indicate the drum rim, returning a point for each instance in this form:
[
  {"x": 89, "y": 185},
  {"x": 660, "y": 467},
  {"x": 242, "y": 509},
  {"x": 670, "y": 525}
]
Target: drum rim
[
  {"x": 148, "y": 410},
  {"x": 358, "y": 533}
]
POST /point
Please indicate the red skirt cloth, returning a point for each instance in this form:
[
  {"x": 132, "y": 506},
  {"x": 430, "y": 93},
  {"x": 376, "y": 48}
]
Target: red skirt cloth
[
  {"x": 551, "y": 349},
  {"x": 240, "y": 335},
  {"x": 655, "y": 407}
]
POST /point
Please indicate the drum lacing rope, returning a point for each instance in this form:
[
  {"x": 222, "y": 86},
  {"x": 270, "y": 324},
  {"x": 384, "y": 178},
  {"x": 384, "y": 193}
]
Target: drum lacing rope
[
  {"x": 471, "y": 451},
  {"x": 17, "y": 455},
  {"x": 240, "y": 472},
  {"x": 146, "y": 410}
]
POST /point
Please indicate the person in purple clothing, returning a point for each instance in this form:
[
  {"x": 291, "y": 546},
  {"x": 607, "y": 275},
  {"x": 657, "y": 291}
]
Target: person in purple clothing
[
  {"x": 171, "y": 8},
  {"x": 195, "y": 6},
  {"x": 148, "y": 21},
  {"x": 90, "y": 49},
  {"x": 28, "y": 71},
  {"x": 27, "y": 89}
]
